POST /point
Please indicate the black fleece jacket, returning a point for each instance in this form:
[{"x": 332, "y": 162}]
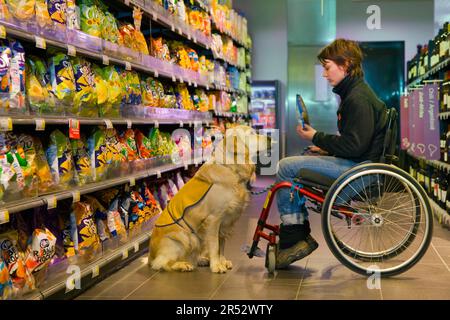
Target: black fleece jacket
[{"x": 361, "y": 121}]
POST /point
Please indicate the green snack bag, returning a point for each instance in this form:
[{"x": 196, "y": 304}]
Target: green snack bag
[
  {"x": 59, "y": 156},
  {"x": 62, "y": 79},
  {"x": 91, "y": 19},
  {"x": 110, "y": 31},
  {"x": 82, "y": 161}
]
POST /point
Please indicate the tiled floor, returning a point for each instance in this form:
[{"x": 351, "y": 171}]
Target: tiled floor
[{"x": 319, "y": 276}]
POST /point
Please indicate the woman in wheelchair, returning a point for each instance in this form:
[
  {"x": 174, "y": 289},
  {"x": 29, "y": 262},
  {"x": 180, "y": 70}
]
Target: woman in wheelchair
[{"x": 361, "y": 119}]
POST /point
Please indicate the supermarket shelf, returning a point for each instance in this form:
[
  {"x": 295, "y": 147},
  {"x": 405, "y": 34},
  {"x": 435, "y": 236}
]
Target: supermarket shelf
[
  {"x": 435, "y": 163},
  {"x": 159, "y": 14},
  {"x": 24, "y": 204},
  {"x": 91, "y": 272},
  {"x": 444, "y": 115},
  {"x": 226, "y": 60},
  {"x": 435, "y": 69},
  {"x": 93, "y": 47},
  {"x": 182, "y": 117},
  {"x": 230, "y": 114},
  {"x": 215, "y": 28},
  {"x": 228, "y": 89},
  {"x": 442, "y": 215}
]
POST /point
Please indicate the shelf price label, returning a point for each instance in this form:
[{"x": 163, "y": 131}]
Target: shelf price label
[
  {"x": 71, "y": 51},
  {"x": 180, "y": 32},
  {"x": 95, "y": 271},
  {"x": 195, "y": 84},
  {"x": 40, "y": 124},
  {"x": 108, "y": 124},
  {"x": 156, "y": 74},
  {"x": 74, "y": 129},
  {"x": 124, "y": 254},
  {"x": 156, "y": 124},
  {"x": 155, "y": 16},
  {"x": 136, "y": 247},
  {"x": 195, "y": 41},
  {"x": 127, "y": 2},
  {"x": 181, "y": 124},
  {"x": 173, "y": 78},
  {"x": 5, "y": 124},
  {"x": 4, "y": 216},
  {"x": 2, "y": 32},
  {"x": 158, "y": 174},
  {"x": 51, "y": 202},
  {"x": 185, "y": 166},
  {"x": 189, "y": 83},
  {"x": 76, "y": 196},
  {"x": 105, "y": 59},
  {"x": 129, "y": 124},
  {"x": 172, "y": 27},
  {"x": 127, "y": 66},
  {"x": 132, "y": 181},
  {"x": 181, "y": 80},
  {"x": 40, "y": 42},
  {"x": 189, "y": 36}
]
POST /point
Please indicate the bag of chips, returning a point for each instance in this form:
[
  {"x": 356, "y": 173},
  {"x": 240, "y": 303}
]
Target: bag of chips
[
  {"x": 57, "y": 10},
  {"x": 14, "y": 260},
  {"x": 41, "y": 250},
  {"x": 86, "y": 242},
  {"x": 91, "y": 19},
  {"x": 143, "y": 144},
  {"x": 133, "y": 88},
  {"x": 59, "y": 157},
  {"x": 82, "y": 161},
  {"x": 98, "y": 154},
  {"x": 85, "y": 100},
  {"x": 21, "y": 9},
  {"x": 6, "y": 285},
  {"x": 62, "y": 79},
  {"x": 110, "y": 31},
  {"x": 128, "y": 140},
  {"x": 5, "y": 75},
  {"x": 42, "y": 168}
]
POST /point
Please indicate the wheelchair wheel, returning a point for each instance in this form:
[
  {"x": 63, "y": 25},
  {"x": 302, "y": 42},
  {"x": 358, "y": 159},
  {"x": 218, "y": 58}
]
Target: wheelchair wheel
[
  {"x": 377, "y": 218},
  {"x": 271, "y": 257}
]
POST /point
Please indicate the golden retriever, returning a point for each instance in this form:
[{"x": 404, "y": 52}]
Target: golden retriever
[{"x": 199, "y": 237}]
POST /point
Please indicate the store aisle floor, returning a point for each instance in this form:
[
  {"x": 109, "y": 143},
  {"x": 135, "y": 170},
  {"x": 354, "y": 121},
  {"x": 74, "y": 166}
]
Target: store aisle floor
[{"x": 319, "y": 276}]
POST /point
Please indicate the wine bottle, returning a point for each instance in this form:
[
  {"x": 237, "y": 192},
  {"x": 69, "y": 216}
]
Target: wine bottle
[
  {"x": 421, "y": 175},
  {"x": 427, "y": 179},
  {"x": 447, "y": 147},
  {"x": 436, "y": 193},
  {"x": 443, "y": 143},
  {"x": 433, "y": 184},
  {"x": 444, "y": 188},
  {"x": 444, "y": 46},
  {"x": 434, "y": 59},
  {"x": 447, "y": 205}
]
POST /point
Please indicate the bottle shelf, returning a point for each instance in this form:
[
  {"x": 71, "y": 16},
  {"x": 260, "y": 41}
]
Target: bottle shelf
[
  {"x": 42, "y": 200},
  {"x": 441, "y": 215},
  {"x": 429, "y": 73},
  {"x": 434, "y": 163},
  {"x": 444, "y": 115}
]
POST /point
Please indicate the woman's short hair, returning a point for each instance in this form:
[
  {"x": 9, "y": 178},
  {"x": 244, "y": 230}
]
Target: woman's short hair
[{"x": 346, "y": 53}]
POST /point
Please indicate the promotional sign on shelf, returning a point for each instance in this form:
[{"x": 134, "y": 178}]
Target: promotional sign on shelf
[
  {"x": 404, "y": 123},
  {"x": 431, "y": 121},
  {"x": 419, "y": 113},
  {"x": 413, "y": 119}
]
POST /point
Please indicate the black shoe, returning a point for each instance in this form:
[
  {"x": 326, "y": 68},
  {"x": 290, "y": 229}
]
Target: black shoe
[{"x": 296, "y": 252}]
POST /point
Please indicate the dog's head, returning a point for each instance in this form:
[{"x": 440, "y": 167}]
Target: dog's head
[{"x": 240, "y": 145}]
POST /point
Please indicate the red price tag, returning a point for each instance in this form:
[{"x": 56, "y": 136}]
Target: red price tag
[{"x": 74, "y": 129}]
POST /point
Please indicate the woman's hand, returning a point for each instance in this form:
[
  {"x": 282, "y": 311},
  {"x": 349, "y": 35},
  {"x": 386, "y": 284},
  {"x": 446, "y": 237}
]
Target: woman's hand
[{"x": 306, "y": 133}]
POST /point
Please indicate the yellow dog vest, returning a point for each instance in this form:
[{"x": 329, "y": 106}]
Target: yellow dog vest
[{"x": 189, "y": 195}]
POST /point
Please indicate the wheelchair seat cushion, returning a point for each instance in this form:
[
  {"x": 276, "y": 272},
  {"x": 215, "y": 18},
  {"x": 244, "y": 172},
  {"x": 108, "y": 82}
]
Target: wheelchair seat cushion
[{"x": 314, "y": 179}]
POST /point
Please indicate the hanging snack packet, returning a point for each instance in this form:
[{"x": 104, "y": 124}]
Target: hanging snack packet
[
  {"x": 14, "y": 260},
  {"x": 97, "y": 152},
  {"x": 41, "y": 250},
  {"x": 57, "y": 10},
  {"x": 59, "y": 157},
  {"x": 82, "y": 161},
  {"x": 150, "y": 95},
  {"x": 62, "y": 79}
]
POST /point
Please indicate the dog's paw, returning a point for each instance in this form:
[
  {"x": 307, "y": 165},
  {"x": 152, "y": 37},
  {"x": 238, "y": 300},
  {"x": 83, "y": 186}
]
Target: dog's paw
[
  {"x": 203, "y": 262},
  {"x": 227, "y": 264},
  {"x": 182, "y": 266},
  {"x": 218, "y": 268}
]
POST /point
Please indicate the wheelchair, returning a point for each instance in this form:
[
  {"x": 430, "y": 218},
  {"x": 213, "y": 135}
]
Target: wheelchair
[{"x": 375, "y": 216}]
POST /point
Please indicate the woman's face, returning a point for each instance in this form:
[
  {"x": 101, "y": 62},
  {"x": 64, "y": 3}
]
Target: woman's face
[{"x": 333, "y": 72}]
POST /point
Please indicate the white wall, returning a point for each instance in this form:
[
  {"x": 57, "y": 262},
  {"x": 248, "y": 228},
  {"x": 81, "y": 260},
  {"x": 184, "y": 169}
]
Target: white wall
[
  {"x": 411, "y": 21},
  {"x": 267, "y": 23}
]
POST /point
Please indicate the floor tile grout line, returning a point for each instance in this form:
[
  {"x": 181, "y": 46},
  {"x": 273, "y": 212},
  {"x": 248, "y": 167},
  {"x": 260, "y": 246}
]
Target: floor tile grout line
[
  {"x": 440, "y": 257},
  {"x": 301, "y": 280},
  {"x": 220, "y": 285},
  {"x": 143, "y": 283}
]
